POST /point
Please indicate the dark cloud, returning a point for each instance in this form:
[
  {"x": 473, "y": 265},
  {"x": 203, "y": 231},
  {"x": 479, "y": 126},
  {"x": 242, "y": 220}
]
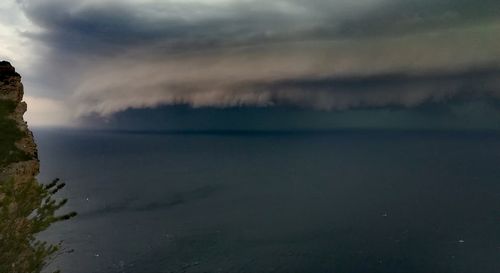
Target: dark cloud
[
  {"x": 339, "y": 93},
  {"x": 233, "y": 82},
  {"x": 100, "y": 27},
  {"x": 405, "y": 17},
  {"x": 456, "y": 114},
  {"x": 95, "y": 26},
  {"x": 109, "y": 56}
]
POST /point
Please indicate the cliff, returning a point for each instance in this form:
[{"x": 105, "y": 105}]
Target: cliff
[{"x": 18, "y": 152}]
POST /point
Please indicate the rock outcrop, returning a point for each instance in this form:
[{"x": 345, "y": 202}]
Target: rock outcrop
[{"x": 11, "y": 92}]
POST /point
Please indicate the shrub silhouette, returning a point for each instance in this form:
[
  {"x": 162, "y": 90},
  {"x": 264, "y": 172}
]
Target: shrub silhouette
[{"x": 27, "y": 209}]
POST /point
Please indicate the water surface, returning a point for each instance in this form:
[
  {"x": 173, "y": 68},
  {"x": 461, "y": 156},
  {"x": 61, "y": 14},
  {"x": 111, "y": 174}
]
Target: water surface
[{"x": 277, "y": 201}]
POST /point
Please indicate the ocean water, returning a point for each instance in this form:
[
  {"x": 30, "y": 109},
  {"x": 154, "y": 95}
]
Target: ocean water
[{"x": 340, "y": 201}]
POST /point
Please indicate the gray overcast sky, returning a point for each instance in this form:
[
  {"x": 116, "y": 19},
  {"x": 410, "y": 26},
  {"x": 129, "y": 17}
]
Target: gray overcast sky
[{"x": 100, "y": 57}]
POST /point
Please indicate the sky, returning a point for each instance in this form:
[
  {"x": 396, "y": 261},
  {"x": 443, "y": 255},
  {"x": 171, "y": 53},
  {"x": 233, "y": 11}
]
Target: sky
[{"x": 348, "y": 62}]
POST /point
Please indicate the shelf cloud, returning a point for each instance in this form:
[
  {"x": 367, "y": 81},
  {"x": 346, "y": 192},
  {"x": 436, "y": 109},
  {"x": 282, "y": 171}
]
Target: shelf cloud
[{"x": 103, "y": 57}]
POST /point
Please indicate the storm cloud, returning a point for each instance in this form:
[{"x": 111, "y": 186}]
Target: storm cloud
[{"x": 108, "y": 56}]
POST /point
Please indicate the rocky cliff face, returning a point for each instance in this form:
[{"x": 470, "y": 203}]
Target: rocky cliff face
[{"x": 11, "y": 93}]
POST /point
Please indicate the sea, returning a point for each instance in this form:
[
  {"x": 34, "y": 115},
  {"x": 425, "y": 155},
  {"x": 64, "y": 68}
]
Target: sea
[{"x": 275, "y": 201}]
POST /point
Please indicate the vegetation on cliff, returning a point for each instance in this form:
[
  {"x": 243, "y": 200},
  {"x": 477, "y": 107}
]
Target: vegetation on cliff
[
  {"x": 10, "y": 134},
  {"x": 27, "y": 209},
  {"x": 26, "y": 206}
]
